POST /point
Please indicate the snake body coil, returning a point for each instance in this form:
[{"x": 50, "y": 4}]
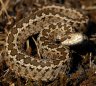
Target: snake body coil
[{"x": 53, "y": 24}]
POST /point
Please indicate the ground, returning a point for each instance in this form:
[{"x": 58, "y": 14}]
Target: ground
[{"x": 83, "y": 65}]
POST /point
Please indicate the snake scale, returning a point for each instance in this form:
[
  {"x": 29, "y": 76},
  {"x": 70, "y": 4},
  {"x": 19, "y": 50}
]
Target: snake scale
[{"x": 54, "y": 27}]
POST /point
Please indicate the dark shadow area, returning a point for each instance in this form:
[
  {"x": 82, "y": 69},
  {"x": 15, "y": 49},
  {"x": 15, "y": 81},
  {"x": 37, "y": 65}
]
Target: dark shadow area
[{"x": 32, "y": 44}]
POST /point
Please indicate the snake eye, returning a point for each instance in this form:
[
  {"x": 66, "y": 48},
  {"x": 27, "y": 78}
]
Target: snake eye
[{"x": 57, "y": 41}]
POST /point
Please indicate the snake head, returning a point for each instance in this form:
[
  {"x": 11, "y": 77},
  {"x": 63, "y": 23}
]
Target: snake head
[{"x": 74, "y": 39}]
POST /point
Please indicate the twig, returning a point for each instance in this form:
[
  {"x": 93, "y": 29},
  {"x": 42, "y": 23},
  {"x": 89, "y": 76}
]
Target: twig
[
  {"x": 90, "y": 60},
  {"x": 4, "y": 6},
  {"x": 38, "y": 52}
]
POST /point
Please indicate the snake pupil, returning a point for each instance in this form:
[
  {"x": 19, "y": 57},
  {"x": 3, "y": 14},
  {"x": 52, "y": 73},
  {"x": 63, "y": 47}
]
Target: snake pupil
[{"x": 57, "y": 41}]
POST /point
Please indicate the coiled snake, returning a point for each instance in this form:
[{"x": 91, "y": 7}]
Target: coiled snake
[{"x": 54, "y": 26}]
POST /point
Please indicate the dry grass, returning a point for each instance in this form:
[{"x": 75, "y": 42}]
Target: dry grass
[{"x": 4, "y": 7}]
